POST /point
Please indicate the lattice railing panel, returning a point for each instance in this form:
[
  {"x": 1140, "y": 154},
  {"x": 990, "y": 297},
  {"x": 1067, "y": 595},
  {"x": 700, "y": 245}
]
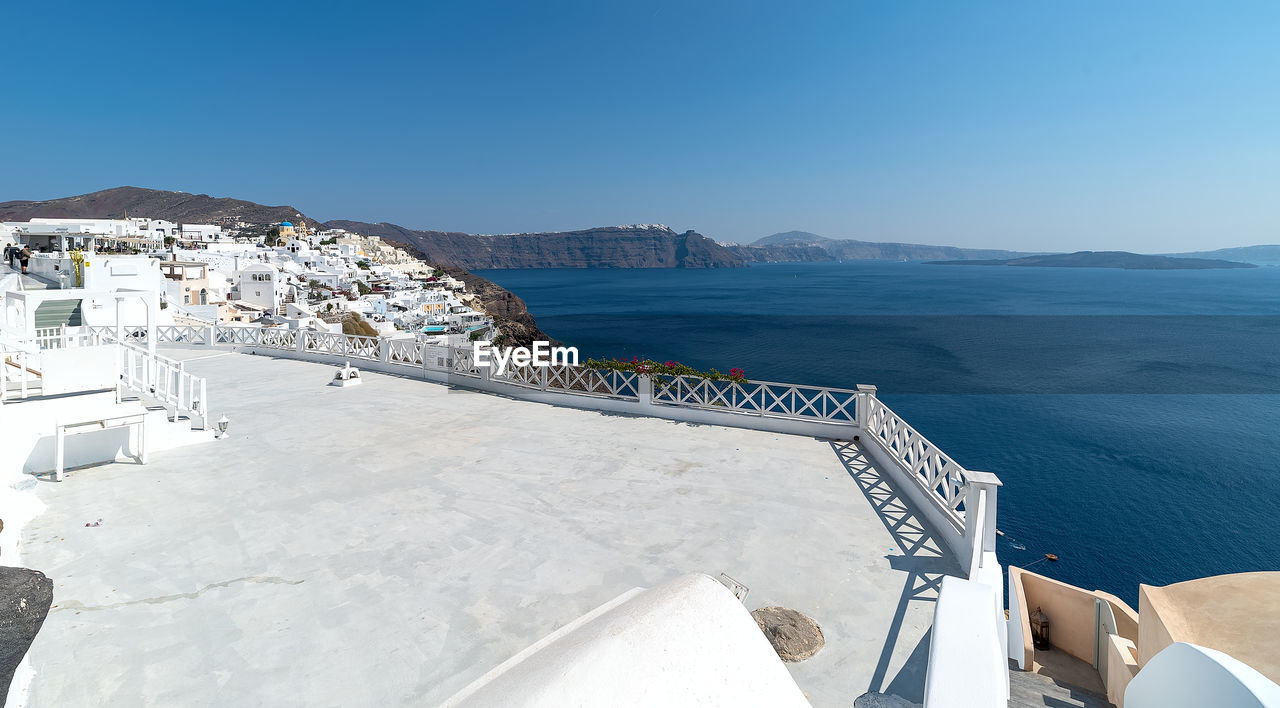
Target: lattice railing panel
[
  {"x": 764, "y": 398},
  {"x": 404, "y": 351},
  {"x": 185, "y": 334},
  {"x": 277, "y": 338},
  {"x": 935, "y": 471}
]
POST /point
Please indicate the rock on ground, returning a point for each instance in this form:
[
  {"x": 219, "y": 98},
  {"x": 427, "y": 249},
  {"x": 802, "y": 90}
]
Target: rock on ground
[
  {"x": 25, "y": 596},
  {"x": 875, "y": 699},
  {"x": 793, "y": 635}
]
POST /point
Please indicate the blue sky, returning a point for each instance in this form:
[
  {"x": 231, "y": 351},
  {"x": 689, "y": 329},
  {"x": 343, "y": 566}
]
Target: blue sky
[{"x": 1148, "y": 126}]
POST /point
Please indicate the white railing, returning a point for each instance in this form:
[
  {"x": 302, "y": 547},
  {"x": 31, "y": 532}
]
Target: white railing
[
  {"x": 63, "y": 337},
  {"x": 19, "y": 370},
  {"x": 572, "y": 379},
  {"x": 352, "y": 346},
  {"x": 237, "y": 335},
  {"x": 404, "y": 351},
  {"x": 186, "y": 334},
  {"x": 12, "y": 341},
  {"x": 762, "y": 398},
  {"x": 464, "y": 363},
  {"x": 164, "y": 380},
  {"x": 939, "y": 482},
  {"x": 277, "y": 338},
  {"x": 98, "y": 331},
  {"x": 923, "y": 461},
  {"x": 21, "y": 364},
  {"x": 51, "y": 337},
  {"x": 134, "y": 334}
]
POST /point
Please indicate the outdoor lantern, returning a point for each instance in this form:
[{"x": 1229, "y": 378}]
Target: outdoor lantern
[
  {"x": 223, "y": 424},
  {"x": 1040, "y": 630}
]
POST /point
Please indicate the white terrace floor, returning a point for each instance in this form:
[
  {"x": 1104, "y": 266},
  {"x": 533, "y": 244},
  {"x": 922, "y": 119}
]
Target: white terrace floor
[{"x": 387, "y": 544}]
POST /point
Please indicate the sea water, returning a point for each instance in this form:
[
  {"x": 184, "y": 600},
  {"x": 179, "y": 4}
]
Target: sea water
[{"x": 1133, "y": 416}]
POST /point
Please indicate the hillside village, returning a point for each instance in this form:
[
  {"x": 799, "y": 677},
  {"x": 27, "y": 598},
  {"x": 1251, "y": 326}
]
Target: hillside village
[{"x": 272, "y": 275}]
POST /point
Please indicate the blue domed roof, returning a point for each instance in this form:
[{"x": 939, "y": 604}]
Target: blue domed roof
[{"x": 285, "y": 223}]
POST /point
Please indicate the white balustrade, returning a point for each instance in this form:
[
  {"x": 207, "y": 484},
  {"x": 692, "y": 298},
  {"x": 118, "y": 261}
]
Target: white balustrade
[
  {"x": 464, "y": 363},
  {"x": 943, "y": 483},
  {"x": 164, "y": 380},
  {"x": 924, "y": 462},
  {"x": 763, "y": 398},
  {"x": 565, "y": 378},
  {"x": 404, "y": 351},
  {"x": 277, "y": 338},
  {"x": 182, "y": 334},
  {"x": 225, "y": 334}
]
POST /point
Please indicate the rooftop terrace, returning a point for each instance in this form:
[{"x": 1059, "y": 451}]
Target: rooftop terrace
[{"x": 389, "y": 543}]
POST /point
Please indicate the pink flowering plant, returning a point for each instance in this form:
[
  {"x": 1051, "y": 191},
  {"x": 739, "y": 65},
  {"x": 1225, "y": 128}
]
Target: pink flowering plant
[{"x": 664, "y": 368}]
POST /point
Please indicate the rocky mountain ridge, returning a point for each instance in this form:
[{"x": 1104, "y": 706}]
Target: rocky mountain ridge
[
  {"x": 179, "y": 207},
  {"x": 637, "y": 246}
]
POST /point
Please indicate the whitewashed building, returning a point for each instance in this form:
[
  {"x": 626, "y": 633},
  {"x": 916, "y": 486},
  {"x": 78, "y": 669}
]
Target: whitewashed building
[
  {"x": 200, "y": 233},
  {"x": 261, "y": 285}
]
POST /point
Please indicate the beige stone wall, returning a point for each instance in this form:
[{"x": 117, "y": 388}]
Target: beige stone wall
[
  {"x": 1235, "y": 614},
  {"x": 1070, "y": 612},
  {"x": 1122, "y": 666},
  {"x": 1153, "y": 635},
  {"x": 1126, "y": 617}
]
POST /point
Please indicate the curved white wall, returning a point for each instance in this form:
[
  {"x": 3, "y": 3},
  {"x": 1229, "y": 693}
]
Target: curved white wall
[
  {"x": 1189, "y": 676},
  {"x": 687, "y": 642}
]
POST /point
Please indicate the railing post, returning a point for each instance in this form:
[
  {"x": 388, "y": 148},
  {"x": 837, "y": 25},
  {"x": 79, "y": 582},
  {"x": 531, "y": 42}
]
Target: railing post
[
  {"x": 866, "y": 392},
  {"x": 204, "y": 405},
  {"x": 644, "y": 389},
  {"x": 977, "y": 482},
  {"x": 179, "y": 404},
  {"x": 301, "y": 341},
  {"x": 22, "y": 371},
  {"x": 211, "y": 335},
  {"x": 384, "y": 350}
]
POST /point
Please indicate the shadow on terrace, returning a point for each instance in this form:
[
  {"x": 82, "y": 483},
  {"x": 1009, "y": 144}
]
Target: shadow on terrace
[{"x": 922, "y": 560}]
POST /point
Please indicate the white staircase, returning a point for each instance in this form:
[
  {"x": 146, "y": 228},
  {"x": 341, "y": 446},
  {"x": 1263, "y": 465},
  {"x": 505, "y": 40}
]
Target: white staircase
[{"x": 59, "y": 383}]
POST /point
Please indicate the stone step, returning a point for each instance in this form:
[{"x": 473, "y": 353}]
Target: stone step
[{"x": 1028, "y": 689}]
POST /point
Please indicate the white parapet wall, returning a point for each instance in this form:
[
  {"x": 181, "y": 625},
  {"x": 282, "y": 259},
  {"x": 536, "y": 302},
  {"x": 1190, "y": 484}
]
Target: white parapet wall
[
  {"x": 967, "y": 664},
  {"x": 73, "y": 369},
  {"x": 687, "y": 642},
  {"x": 30, "y": 431}
]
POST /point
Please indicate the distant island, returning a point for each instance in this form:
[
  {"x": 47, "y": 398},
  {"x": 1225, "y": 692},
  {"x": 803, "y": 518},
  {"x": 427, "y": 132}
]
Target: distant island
[
  {"x": 1250, "y": 254},
  {"x": 1104, "y": 259},
  {"x": 803, "y": 246}
]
